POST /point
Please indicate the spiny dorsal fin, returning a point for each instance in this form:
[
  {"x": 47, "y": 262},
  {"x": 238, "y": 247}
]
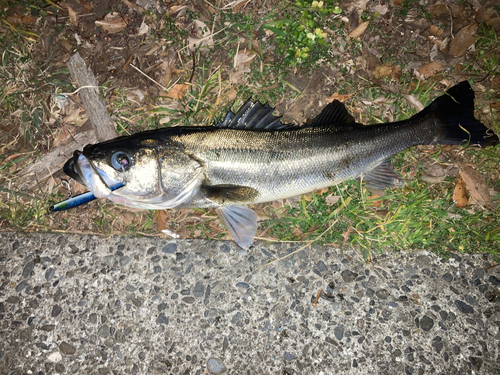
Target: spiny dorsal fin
[
  {"x": 334, "y": 114},
  {"x": 253, "y": 116}
]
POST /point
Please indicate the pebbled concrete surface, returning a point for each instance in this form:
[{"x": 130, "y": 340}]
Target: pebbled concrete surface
[{"x": 78, "y": 304}]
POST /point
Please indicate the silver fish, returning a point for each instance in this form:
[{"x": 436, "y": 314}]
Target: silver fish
[{"x": 252, "y": 157}]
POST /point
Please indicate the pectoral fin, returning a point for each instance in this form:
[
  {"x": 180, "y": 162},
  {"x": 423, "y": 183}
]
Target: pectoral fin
[
  {"x": 241, "y": 222},
  {"x": 231, "y": 194}
]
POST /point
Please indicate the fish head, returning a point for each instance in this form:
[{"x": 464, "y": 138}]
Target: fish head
[
  {"x": 154, "y": 174},
  {"x": 102, "y": 166}
]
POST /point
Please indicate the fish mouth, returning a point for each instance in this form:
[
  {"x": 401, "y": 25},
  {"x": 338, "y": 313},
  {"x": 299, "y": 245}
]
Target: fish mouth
[{"x": 81, "y": 169}]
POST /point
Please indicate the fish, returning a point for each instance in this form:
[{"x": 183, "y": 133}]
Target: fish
[{"x": 252, "y": 157}]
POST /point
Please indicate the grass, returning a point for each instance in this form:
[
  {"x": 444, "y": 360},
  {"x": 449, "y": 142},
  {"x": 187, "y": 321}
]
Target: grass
[{"x": 287, "y": 38}]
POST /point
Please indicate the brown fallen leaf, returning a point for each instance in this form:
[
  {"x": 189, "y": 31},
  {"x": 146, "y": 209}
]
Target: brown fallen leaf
[
  {"x": 113, "y": 22},
  {"x": 438, "y": 10},
  {"x": 358, "y": 31},
  {"x": 435, "y": 30},
  {"x": 375, "y": 203},
  {"x": 345, "y": 235},
  {"x": 428, "y": 70},
  {"x": 475, "y": 184},
  {"x": 386, "y": 70},
  {"x": 336, "y": 96},
  {"x": 463, "y": 40},
  {"x": 161, "y": 216},
  {"x": 243, "y": 56},
  {"x": 63, "y": 137},
  {"x": 77, "y": 8},
  {"x": 413, "y": 100},
  {"x": 332, "y": 199},
  {"x": 495, "y": 23},
  {"x": 460, "y": 194},
  {"x": 177, "y": 92},
  {"x": 202, "y": 39},
  {"x": 238, "y": 5},
  {"x": 495, "y": 105}
]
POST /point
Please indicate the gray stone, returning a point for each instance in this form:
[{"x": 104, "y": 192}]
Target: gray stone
[
  {"x": 464, "y": 308},
  {"x": 426, "y": 323},
  {"x": 494, "y": 280},
  {"x": 199, "y": 289},
  {"x": 28, "y": 268},
  {"x": 47, "y": 327},
  {"x": 289, "y": 357},
  {"x": 104, "y": 331},
  {"x": 448, "y": 277},
  {"x": 339, "y": 332},
  {"x": 348, "y": 276},
  {"x": 423, "y": 261},
  {"x": 66, "y": 348},
  {"x": 56, "y": 310},
  {"x": 215, "y": 366},
  {"x": 162, "y": 319},
  {"x": 242, "y": 285},
  {"x": 125, "y": 260},
  {"x": 49, "y": 273},
  {"x": 170, "y": 248},
  {"x": 382, "y": 294}
]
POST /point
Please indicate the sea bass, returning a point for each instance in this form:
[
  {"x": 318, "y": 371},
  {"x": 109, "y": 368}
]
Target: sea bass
[{"x": 252, "y": 157}]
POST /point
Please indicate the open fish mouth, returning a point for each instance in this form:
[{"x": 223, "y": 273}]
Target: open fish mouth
[{"x": 83, "y": 171}]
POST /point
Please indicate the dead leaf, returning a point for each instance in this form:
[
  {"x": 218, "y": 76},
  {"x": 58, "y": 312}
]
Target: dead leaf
[
  {"x": 203, "y": 39},
  {"x": 336, "y": 96},
  {"x": 244, "y": 56},
  {"x": 332, "y": 199},
  {"x": 238, "y": 5},
  {"x": 64, "y": 136},
  {"x": 73, "y": 17},
  {"x": 428, "y": 70},
  {"x": 345, "y": 235},
  {"x": 495, "y": 105},
  {"x": 386, "y": 70},
  {"x": 77, "y": 8},
  {"x": 360, "y": 5},
  {"x": 438, "y": 10},
  {"x": 375, "y": 203},
  {"x": 476, "y": 185},
  {"x": 161, "y": 216},
  {"x": 177, "y": 92},
  {"x": 435, "y": 30},
  {"x": 463, "y": 40},
  {"x": 460, "y": 194},
  {"x": 412, "y": 99},
  {"x": 381, "y": 9},
  {"x": 113, "y": 22},
  {"x": 10, "y": 157},
  {"x": 495, "y": 23},
  {"x": 358, "y": 31}
]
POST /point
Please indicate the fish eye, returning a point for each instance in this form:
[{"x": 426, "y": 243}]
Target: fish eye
[{"x": 120, "y": 160}]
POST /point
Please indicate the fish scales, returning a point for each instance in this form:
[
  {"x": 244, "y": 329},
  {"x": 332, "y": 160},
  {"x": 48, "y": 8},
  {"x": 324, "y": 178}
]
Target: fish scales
[{"x": 300, "y": 160}]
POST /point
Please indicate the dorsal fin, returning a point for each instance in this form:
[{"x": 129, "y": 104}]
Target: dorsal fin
[
  {"x": 253, "y": 116},
  {"x": 333, "y": 114}
]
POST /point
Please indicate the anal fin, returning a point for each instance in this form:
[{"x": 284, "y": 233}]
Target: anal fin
[
  {"x": 383, "y": 176},
  {"x": 241, "y": 222}
]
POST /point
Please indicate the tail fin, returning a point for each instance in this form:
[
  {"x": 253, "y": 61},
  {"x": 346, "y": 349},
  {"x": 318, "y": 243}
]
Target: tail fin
[{"x": 455, "y": 112}]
